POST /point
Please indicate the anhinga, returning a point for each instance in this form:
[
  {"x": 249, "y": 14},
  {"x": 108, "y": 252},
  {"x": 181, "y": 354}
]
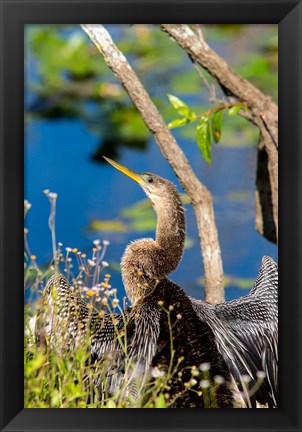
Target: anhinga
[{"x": 234, "y": 338}]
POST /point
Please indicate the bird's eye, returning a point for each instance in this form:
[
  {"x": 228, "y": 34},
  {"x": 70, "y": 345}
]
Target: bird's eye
[{"x": 150, "y": 180}]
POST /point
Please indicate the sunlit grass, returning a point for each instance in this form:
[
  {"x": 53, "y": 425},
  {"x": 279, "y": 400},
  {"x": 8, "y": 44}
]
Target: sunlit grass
[{"x": 59, "y": 371}]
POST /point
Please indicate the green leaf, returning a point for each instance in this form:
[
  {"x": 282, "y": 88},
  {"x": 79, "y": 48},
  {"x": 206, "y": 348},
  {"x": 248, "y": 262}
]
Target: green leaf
[
  {"x": 216, "y": 125},
  {"x": 160, "y": 401},
  {"x": 189, "y": 115},
  {"x": 178, "y": 123},
  {"x": 176, "y": 102},
  {"x": 234, "y": 110},
  {"x": 182, "y": 108},
  {"x": 203, "y": 136}
]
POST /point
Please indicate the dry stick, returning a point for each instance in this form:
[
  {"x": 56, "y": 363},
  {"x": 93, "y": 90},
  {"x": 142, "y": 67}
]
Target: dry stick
[
  {"x": 264, "y": 111},
  {"x": 200, "y": 196}
]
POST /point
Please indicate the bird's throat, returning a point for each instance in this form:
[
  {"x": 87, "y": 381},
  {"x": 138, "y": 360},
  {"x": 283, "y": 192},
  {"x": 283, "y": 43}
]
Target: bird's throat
[
  {"x": 171, "y": 232},
  {"x": 146, "y": 261}
]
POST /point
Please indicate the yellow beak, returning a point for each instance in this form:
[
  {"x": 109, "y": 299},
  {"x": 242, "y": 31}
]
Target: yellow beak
[{"x": 136, "y": 177}]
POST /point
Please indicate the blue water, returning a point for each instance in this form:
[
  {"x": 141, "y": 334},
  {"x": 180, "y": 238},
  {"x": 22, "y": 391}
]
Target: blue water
[{"x": 58, "y": 157}]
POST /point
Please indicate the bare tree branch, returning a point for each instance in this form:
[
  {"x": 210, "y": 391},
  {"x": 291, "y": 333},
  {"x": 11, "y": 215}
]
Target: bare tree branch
[
  {"x": 211, "y": 88},
  {"x": 200, "y": 196},
  {"x": 264, "y": 112}
]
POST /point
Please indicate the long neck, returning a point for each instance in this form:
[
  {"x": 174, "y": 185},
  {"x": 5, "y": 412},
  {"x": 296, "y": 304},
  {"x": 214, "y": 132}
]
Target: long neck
[
  {"x": 147, "y": 261},
  {"x": 171, "y": 231}
]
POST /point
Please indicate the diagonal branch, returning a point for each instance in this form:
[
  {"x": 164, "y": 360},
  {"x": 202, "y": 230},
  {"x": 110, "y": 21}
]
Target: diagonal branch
[
  {"x": 264, "y": 114},
  {"x": 239, "y": 87},
  {"x": 200, "y": 196}
]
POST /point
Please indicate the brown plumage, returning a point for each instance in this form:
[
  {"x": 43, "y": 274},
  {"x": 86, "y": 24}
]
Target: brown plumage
[
  {"x": 245, "y": 329},
  {"x": 159, "y": 309},
  {"x": 147, "y": 261},
  {"x": 201, "y": 333}
]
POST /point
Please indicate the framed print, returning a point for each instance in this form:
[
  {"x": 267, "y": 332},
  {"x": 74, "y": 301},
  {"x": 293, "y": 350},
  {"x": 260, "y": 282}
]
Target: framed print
[{"x": 89, "y": 113}]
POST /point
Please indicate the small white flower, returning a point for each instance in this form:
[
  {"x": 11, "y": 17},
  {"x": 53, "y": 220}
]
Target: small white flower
[
  {"x": 261, "y": 375},
  {"x": 27, "y": 204},
  {"x": 204, "y": 367},
  {"x": 106, "y": 242},
  {"x": 105, "y": 264},
  {"x": 246, "y": 379},
  {"x": 115, "y": 302},
  {"x": 204, "y": 383},
  {"x": 155, "y": 372},
  {"x": 218, "y": 379},
  {"x": 97, "y": 242}
]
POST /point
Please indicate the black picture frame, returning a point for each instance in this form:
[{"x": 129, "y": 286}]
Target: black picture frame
[{"x": 14, "y": 15}]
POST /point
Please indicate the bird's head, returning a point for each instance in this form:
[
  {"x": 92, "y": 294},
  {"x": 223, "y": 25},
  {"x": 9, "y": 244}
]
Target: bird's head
[{"x": 156, "y": 188}]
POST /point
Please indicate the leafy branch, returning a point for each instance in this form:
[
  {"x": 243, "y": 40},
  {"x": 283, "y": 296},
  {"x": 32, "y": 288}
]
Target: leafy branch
[{"x": 210, "y": 122}]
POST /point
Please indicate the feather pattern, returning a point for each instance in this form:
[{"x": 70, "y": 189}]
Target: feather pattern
[
  {"x": 246, "y": 332},
  {"x": 124, "y": 348}
]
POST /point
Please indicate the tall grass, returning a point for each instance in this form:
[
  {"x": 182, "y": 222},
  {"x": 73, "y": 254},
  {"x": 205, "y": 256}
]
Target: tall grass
[
  {"x": 56, "y": 374},
  {"x": 59, "y": 370}
]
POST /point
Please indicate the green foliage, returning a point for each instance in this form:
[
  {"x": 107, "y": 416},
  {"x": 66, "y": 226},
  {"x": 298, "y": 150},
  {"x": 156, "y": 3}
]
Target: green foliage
[
  {"x": 234, "y": 109},
  {"x": 160, "y": 401},
  {"x": 210, "y": 123},
  {"x": 187, "y": 114},
  {"x": 182, "y": 108},
  {"x": 178, "y": 122},
  {"x": 58, "y": 372},
  {"x": 203, "y": 136},
  {"x": 216, "y": 125},
  {"x": 66, "y": 77}
]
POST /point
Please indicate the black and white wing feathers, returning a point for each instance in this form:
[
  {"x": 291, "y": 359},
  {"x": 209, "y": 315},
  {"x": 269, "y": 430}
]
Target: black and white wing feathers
[{"x": 246, "y": 332}]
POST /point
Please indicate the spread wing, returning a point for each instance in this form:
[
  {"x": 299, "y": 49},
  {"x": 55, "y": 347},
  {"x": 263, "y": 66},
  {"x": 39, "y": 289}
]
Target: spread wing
[
  {"x": 246, "y": 331},
  {"x": 121, "y": 345}
]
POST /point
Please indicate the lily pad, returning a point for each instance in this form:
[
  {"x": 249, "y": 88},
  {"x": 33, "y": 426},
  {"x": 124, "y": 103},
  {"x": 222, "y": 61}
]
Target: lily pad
[
  {"x": 114, "y": 225},
  {"x": 234, "y": 281}
]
